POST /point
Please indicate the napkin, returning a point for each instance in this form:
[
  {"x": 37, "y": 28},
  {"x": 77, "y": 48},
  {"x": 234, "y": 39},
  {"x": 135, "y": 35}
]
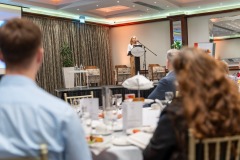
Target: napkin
[
  {"x": 138, "y": 82},
  {"x": 100, "y": 147},
  {"x": 161, "y": 106},
  {"x": 140, "y": 139}
]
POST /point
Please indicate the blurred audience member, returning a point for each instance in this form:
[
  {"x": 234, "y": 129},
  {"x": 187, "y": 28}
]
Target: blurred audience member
[
  {"x": 30, "y": 116},
  {"x": 209, "y": 105},
  {"x": 167, "y": 83}
]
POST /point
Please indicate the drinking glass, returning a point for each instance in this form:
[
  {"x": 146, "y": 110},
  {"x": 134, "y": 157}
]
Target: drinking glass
[
  {"x": 86, "y": 120},
  {"x": 110, "y": 116},
  {"x": 118, "y": 100},
  {"x": 169, "y": 96},
  {"x": 113, "y": 100}
]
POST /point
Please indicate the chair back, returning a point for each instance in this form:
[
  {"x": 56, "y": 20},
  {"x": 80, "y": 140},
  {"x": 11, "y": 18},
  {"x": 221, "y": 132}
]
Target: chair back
[
  {"x": 43, "y": 155},
  {"x": 122, "y": 72},
  {"x": 226, "y": 148},
  {"x": 156, "y": 72},
  {"x": 93, "y": 75},
  {"x": 74, "y": 99}
]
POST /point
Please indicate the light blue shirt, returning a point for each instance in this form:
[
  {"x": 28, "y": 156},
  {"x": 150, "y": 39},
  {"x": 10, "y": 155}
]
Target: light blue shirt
[{"x": 29, "y": 116}]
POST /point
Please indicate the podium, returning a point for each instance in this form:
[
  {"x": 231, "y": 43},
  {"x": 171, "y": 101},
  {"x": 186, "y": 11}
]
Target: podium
[
  {"x": 135, "y": 65},
  {"x": 135, "y": 54}
]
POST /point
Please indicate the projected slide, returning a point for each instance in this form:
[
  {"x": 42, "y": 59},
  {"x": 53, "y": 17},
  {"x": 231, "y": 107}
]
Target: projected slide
[
  {"x": 8, "y": 12},
  {"x": 1, "y": 23},
  {"x": 2, "y": 64}
]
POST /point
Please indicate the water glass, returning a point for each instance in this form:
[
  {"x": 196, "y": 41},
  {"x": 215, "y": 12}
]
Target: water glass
[
  {"x": 118, "y": 100},
  {"x": 169, "y": 96},
  {"x": 110, "y": 116}
]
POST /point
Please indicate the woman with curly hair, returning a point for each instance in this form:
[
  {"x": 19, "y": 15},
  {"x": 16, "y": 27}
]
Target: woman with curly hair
[{"x": 209, "y": 105}]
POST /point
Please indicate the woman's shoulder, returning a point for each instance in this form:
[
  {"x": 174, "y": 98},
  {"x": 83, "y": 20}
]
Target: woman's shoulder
[
  {"x": 174, "y": 107},
  {"x": 175, "y": 113}
]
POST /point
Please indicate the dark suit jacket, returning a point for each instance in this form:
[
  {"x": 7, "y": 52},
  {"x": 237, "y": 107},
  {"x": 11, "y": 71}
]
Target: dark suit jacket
[
  {"x": 166, "y": 84},
  {"x": 169, "y": 141}
]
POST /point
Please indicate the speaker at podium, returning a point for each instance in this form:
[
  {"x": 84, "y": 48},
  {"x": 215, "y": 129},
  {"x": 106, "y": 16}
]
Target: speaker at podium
[{"x": 136, "y": 52}]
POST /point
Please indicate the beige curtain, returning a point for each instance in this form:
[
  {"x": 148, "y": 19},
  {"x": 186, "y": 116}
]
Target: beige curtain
[{"x": 89, "y": 43}]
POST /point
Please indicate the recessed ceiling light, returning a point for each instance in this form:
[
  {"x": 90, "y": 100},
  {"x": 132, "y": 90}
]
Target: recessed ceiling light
[
  {"x": 133, "y": 5},
  {"x": 155, "y": 2},
  {"x": 167, "y": 6},
  {"x": 117, "y": 1},
  {"x": 199, "y": 6},
  {"x": 78, "y": 9},
  {"x": 97, "y": 5}
]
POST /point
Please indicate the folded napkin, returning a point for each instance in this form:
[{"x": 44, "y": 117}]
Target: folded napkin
[
  {"x": 98, "y": 148},
  {"x": 137, "y": 82},
  {"x": 140, "y": 139},
  {"x": 160, "y": 104}
]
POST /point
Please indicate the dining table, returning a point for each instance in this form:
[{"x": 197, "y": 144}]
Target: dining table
[{"x": 125, "y": 152}]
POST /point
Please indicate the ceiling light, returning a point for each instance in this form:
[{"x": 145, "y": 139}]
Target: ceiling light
[
  {"x": 97, "y": 5},
  {"x": 117, "y": 1},
  {"x": 199, "y": 6},
  {"x": 155, "y": 2},
  {"x": 147, "y": 9},
  {"x": 133, "y": 5},
  {"x": 167, "y": 6},
  {"x": 78, "y": 9}
]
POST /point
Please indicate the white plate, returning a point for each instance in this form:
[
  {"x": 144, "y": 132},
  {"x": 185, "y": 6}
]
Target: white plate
[
  {"x": 148, "y": 101},
  {"x": 101, "y": 133},
  {"x": 117, "y": 128},
  {"x": 105, "y": 144},
  {"x": 121, "y": 141},
  {"x": 147, "y": 129},
  {"x": 145, "y": 100}
]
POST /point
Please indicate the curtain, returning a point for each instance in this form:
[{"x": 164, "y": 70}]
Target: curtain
[{"x": 89, "y": 43}]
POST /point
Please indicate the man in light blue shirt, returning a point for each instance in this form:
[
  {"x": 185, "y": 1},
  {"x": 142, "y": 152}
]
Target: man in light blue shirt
[{"x": 29, "y": 116}]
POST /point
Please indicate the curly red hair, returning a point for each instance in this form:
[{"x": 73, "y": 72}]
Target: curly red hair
[{"x": 211, "y": 100}]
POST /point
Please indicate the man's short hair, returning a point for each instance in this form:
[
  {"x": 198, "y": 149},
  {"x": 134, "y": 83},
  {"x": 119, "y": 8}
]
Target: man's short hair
[
  {"x": 19, "y": 41},
  {"x": 171, "y": 54}
]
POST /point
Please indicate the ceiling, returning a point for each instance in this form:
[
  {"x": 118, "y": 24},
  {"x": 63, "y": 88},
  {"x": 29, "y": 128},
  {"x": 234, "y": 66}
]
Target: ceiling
[{"x": 122, "y": 11}]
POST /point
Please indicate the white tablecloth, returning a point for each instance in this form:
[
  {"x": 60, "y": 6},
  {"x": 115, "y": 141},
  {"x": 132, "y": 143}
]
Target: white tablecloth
[{"x": 150, "y": 117}]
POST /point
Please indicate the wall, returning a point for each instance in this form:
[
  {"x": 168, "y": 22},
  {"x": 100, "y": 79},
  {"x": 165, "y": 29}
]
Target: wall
[
  {"x": 198, "y": 32},
  {"x": 156, "y": 36},
  {"x": 153, "y": 35}
]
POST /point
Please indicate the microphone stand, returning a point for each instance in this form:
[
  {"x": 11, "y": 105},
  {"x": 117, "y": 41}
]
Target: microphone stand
[{"x": 144, "y": 60}]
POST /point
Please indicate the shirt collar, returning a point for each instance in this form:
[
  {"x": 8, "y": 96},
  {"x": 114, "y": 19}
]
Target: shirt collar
[
  {"x": 16, "y": 80},
  {"x": 169, "y": 72}
]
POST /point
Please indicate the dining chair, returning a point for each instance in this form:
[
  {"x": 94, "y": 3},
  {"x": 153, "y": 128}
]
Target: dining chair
[
  {"x": 74, "y": 99},
  {"x": 216, "y": 148},
  {"x": 156, "y": 72},
  {"x": 122, "y": 72},
  {"x": 94, "y": 76},
  {"x": 43, "y": 155}
]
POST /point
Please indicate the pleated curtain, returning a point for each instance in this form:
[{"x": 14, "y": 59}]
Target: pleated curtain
[{"x": 89, "y": 43}]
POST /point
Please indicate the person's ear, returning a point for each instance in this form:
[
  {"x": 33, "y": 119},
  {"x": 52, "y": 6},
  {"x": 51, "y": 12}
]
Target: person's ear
[{"x": 40, "y": 55}]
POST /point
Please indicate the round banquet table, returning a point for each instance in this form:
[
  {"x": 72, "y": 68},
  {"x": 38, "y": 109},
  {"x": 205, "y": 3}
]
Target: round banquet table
[{"x": 150, "y": 117}]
